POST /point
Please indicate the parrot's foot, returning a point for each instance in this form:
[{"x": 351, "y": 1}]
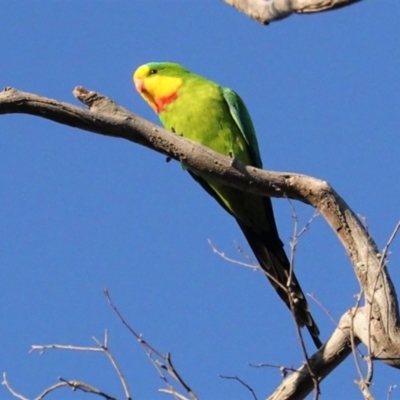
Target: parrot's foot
[
  {"x": 233, "y": 158},
  {"x": 168, "y": 159},
  {"x": 174, "y": 131}
]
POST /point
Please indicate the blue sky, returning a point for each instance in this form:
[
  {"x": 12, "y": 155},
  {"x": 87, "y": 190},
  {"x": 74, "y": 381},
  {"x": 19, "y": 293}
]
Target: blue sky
[{"x": 80, "y": 212}]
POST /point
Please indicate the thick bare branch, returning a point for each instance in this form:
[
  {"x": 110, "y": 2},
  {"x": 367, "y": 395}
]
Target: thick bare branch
[
  {"x": 376, "y": 324},
  {"x": 266, "y": 11},
  {"x": 105, "y": 117}
]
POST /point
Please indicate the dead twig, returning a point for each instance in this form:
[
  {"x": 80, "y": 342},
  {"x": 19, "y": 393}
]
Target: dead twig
[
  {"x": 75, "y": 385},
  {"x": 282, "y": 369},
  {"x": 390, "y": 390},
  {"x": 293, "y": 247},
  {"x": 162, "y": 362},
  {"x": 14, "y": 393},
  {"x": 254, "y": 266},
  {"x": 103, "y": 348},
  {"x": 84, "y": 387},
  {"x": 236, "y": 378}
]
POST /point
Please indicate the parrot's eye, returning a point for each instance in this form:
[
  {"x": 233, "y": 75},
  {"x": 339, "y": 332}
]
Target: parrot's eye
[{"x": 153, "y": 71}]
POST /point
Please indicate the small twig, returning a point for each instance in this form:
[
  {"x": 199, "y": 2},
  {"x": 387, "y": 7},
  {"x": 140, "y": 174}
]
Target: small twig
[
  {"x": 130, "y": 329},
  {"x": 163, "y": 363},
  {"x": 173, "y": 393},
  {"x": 307, "y": 226},
  {"x": 11, "y": 390},
  {"x": 390, "y": 390},
  {"x": 293, "y": 246},
  {"x": 103, "y": 348},
  {"x": 50, "y": 389},
  {"x": 122, "y": 379},
  {"x": 283, "y": 370},
  {"x": 305, "y": 354},
  {"x": 236, "y": 378},
  {"x": 323, "y": 308},
  {"x": 392, "y": 237},
  {"x": 75, "y": 385},
  {"x": 297, "y": 234},
  {"x": 246, "y": 255},
  {"x": 254, "y": 266},
  {"x": 173, "y": 372},
  {"x": 84, "y": 387},
  {"x": 42, "y": 348},
  {"x": 149, "y": 350}
]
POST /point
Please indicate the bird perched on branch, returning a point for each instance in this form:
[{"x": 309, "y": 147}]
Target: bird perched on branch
[{"x": 216, "y": 117}]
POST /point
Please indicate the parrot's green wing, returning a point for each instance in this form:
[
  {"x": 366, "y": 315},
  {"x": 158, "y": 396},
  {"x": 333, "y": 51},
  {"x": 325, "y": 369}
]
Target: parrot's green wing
[{"x": 242, "y": 118}]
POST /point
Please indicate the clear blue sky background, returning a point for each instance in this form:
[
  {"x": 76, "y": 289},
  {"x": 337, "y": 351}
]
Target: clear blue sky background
[{"x": 80, "y": 212}]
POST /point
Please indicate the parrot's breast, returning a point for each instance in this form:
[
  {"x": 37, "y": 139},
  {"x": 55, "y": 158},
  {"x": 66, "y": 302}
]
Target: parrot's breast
[{"x": 200, "y": 113}]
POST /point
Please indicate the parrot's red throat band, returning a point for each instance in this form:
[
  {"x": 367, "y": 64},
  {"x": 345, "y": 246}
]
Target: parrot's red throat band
[{"x": 162, "y": 102}]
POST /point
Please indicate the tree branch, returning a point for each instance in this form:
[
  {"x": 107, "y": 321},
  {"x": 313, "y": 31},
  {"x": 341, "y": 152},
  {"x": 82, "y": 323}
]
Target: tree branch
[
  {"x": 266, "y": 11},
  {"x": 376, "y": 324},
  {"x": 299, "y": 384}
]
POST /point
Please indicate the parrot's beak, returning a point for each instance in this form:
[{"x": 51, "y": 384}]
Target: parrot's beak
[{"x": 139, "y": 84}]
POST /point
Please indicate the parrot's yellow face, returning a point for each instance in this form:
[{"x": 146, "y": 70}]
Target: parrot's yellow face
[{"x": 157, "y": 89}]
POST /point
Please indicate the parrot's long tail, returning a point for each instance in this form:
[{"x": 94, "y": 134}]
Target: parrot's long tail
[{"x": 268, "y": 249}]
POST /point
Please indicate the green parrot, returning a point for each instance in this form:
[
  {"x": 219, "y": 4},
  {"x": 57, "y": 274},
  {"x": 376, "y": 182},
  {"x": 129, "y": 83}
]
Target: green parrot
[{"x": 216, "y": 117}]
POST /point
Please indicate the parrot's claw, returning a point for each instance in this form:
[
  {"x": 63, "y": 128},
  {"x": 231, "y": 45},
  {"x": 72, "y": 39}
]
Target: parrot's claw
[
  {"x": 174, "y": 131},
  {"x": 168, "y": 159},
  {"x": 233, "y": 158}
]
